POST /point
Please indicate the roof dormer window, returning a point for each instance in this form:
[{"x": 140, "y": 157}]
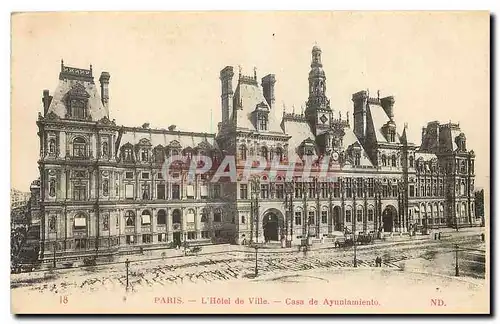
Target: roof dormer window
[{"x": 262, "y": 121}]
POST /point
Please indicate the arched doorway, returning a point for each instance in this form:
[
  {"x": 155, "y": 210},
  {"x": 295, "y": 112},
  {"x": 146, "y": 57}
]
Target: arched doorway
[
  {"x": 273, "y": 226},
  {"x": 336, "y": 218},
  {"x": 388, "y": 216}
]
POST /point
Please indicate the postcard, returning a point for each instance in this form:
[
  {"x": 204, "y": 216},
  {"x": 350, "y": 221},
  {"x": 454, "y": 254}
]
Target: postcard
[{"x": 250, "y": 162}]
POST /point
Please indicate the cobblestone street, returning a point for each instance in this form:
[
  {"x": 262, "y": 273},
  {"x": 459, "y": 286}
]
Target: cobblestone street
[{"x": 433, "y": 257}]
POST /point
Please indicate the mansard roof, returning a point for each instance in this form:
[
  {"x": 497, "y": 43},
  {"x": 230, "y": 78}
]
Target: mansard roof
[
  {"x": 80, "y": 83},
  {"x": 247, "y": 97}
]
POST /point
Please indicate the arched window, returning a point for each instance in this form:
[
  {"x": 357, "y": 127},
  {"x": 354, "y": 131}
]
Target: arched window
[
  {"x": 80, "y": 222},
  {"x": 411, "y": 161},
  {"x": 263, "y": 152},
  {"x": 161, "y": 218},
  {"x": 79, "y": 147},
  {"x": 393, "y": 160},
  {"x": 174, "y": 152},
  {"x": 105, "y": 149},
  {"x": 176, "y": 216},
  {"x": 243, "y": 219},
  {"x": 52, "y": 146},
  {"x": 384, "y": 160},
  {"x": 243, "y": 152},
  {"x": 146, "y": 217},
  {"x": 129, "y": 218}
]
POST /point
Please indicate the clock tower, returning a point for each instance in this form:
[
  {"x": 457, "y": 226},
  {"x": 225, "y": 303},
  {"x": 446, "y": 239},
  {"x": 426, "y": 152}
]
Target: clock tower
[{"x": 318, "y": 111}]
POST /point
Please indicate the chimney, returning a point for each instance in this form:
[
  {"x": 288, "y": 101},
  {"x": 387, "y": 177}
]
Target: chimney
[
  {"x": 226, "y": 79},
  {"x": 46, "y": 100},
  {"x": 104, "y": 80},
  {"x": 360, "y": 101},
  {"x": 388, "y": 104},
  {"x": 268, "y": 88}
]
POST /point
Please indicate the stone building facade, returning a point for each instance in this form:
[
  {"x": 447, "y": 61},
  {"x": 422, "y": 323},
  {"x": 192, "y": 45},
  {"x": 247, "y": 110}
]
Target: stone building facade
[{"x": 102, "y": 187}]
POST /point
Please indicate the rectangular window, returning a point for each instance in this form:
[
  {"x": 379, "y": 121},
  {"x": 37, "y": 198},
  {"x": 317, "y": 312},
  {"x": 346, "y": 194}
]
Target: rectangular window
[
  {"x": 217, "y": 217},
  {"x": 359, "y": 187},
  {"x": 160, "y": 191},
  {"x": 191, "y": 235},
  {"x": 348, "y": 188},
  {"x": 385, "y": 191},
  {"x": 412, "y": 190},
  {"x": 129, "y": 175},
  {"x": 190, "y": 191},
  {"x": 298, "y": 218},
  {"x": 144, "y": 155},
  {"x": 176, "y": 192},
  {"x": 359, "y": 215},
  {"x": 145, "y": 175},
  {"x": 130, "y": 239},
  {"x": 324, "y": 190},
  {"x": 205, "y": 234},
  {"x": 145, "y": 219},
  {"x": 370, "y": 215},
  {"x": 80, "y": 244},
  {"x": 147, "y": 238},
  {"x": 162, "y": 237},
  {"x": 204, "y": 191},
  {"x": 312, "y": 190},
  {"x": 336, "y": 189},
  {"x": 370, "y": 189},
  {"x": 394, "y": 191},
  {"x": 145, "y": 191},
  {"x": 243, "y": 191},
  {"x": 264, "y": 191},
  {"x": 160, "y": 175},
  {"x": 348, "y": 216},
  {"x": 298, "y": 190},
  {"x": 280, "y": 191},
  {"x": 311, "y": 221},
  {"x": 79, "y": 192},
  {"x": 216, "y": 191},
  {"x": 324, "y": 217}
]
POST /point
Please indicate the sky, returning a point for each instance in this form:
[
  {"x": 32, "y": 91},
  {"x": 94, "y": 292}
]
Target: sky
[{"x": 165, "y": 67}]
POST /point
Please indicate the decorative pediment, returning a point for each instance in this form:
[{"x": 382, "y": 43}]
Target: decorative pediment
[
  {"x": 204, "y": 145},
  {"x": 144, "y": 142},
  {"x": 78, "y": 91},
  {"x": 174, "y": 144},
  {"x": 105, "y": 121},
  {"x": 262, "y": 106}
]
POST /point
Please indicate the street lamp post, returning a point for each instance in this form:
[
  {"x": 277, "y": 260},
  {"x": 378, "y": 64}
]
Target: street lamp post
[
  {"x": 355, "y": 216},
  {"x": 289, "y": 212},
  {"x": 256, "y": 259},
  {"x": 126, "y": 269},
  {"x": 255, "y": 184},
  {"x": 456, "y": 261}
]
